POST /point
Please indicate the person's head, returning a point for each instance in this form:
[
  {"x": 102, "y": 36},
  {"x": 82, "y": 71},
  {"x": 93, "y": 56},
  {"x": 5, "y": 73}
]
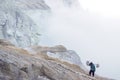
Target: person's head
[{"x": 91, "y": 63}]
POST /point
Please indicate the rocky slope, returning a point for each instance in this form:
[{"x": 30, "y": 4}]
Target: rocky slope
[{"x": 34, "y": 64}]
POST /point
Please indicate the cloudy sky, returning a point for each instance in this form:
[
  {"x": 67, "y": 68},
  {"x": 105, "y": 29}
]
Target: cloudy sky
[
  {"x": 104, "y": 7},
  {"x": 94, "y": 33}
]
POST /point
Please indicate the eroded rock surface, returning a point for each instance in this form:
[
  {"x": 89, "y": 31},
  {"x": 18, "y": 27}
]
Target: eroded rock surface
[{"x": 19, "y": 64}]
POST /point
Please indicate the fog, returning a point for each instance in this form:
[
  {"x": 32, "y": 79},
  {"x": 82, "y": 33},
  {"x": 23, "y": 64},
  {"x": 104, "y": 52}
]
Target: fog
[{"x": 95, "y": 37}]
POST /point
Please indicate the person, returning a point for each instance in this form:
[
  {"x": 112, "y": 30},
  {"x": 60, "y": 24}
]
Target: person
[{"x": 92, "y": 69}]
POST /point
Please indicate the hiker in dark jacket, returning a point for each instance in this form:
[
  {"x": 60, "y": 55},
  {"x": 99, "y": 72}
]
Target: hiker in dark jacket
[{"x": 92, "y": 69}]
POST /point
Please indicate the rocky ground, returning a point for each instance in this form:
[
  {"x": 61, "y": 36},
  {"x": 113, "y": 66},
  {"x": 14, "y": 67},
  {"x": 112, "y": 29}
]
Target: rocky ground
[{"x": 34, "y": 64}]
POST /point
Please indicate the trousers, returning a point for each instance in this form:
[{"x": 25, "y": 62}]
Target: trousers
[{"x": 91, "y": 73}]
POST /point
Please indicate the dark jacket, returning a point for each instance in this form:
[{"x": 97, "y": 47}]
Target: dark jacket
[{"x": 92, "y": 66}]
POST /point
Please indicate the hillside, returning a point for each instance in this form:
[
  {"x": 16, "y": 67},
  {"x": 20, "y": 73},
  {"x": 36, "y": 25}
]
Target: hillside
[{"x": 20, "y": 64}]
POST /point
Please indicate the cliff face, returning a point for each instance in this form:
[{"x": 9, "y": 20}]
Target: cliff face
[
  {"x": 34, "y": 64},
  {"x": 16, "y": 25}
]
